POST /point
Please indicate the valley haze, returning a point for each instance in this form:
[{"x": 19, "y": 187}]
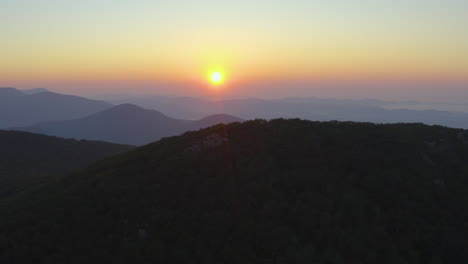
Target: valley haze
[{"x": 138, "y": 120}]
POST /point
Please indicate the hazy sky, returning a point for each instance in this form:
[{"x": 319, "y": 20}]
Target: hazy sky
[{"x": 349, "y": 48}]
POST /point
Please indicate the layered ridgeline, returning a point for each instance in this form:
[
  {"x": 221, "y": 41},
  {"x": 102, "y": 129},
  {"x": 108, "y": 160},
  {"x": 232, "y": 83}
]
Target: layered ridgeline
[
  {"x": 24, "y": 108},
  {"x": 317, "y": 109},
  {"x": 27, "y": 160},
  {"x": 284, "y": 191},
  {"x": 126, "y": 124}
]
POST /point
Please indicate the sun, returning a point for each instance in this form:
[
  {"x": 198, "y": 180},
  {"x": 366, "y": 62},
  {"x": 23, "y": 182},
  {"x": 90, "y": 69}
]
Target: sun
[{"x": 217, "y": 77}]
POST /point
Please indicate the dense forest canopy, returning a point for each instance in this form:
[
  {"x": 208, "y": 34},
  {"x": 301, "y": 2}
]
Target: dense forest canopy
[{"x": 280, "y": 191}]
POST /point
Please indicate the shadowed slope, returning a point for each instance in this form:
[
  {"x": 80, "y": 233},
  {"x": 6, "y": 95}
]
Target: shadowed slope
[{"x": 27, "y": 159}]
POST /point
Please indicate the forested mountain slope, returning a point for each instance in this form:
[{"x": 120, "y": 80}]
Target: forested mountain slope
[{"x": 284, "y": 191}]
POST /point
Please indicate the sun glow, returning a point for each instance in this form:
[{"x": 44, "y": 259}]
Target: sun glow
[{"x": 216, "y": 78}]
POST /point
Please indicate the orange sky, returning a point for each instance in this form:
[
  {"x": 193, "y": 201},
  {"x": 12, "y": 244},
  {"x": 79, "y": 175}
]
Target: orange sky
[{"x": 68, "y": 44}]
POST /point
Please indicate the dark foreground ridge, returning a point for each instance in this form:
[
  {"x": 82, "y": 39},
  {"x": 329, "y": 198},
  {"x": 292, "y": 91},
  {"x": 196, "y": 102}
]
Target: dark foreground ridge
[
  {"x": 28, "y": 160},
  {"x": 284, "y": 191}
]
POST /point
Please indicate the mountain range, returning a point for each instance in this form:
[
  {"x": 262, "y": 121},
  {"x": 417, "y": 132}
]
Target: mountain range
[
  {"x": 126, "y": 124},
  {"x": 319, "y": 109},
  {"x": 25, "y": 108}
]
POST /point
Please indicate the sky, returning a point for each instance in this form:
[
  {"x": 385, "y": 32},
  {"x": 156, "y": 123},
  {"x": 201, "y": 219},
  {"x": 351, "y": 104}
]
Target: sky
[{"x": 398, "y": 49}]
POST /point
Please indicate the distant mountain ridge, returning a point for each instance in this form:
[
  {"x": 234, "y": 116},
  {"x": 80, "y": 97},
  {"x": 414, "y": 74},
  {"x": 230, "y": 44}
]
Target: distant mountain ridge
[
  {"x": 313, "y": 108},
  {"x": 19, "y": 108},
  {"x": 126, "y": 124},
  {"x": 24, "y": 108}
]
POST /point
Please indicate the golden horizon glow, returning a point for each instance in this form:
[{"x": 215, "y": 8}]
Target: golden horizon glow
[{"x": 54, "y": 41}]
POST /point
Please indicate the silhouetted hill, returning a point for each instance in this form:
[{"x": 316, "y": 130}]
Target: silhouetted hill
[
  {"x": 126, "y": 124},
  {"x": 284, "y": 191},
  {"x": 21, "y": 109},
  {"x": 27, "y": 159}
]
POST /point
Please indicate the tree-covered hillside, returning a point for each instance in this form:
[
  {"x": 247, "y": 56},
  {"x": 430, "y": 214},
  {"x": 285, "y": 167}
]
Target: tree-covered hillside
[
  {"x": 27, "y": 159},
  {"x": 284, "y": 191}
]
